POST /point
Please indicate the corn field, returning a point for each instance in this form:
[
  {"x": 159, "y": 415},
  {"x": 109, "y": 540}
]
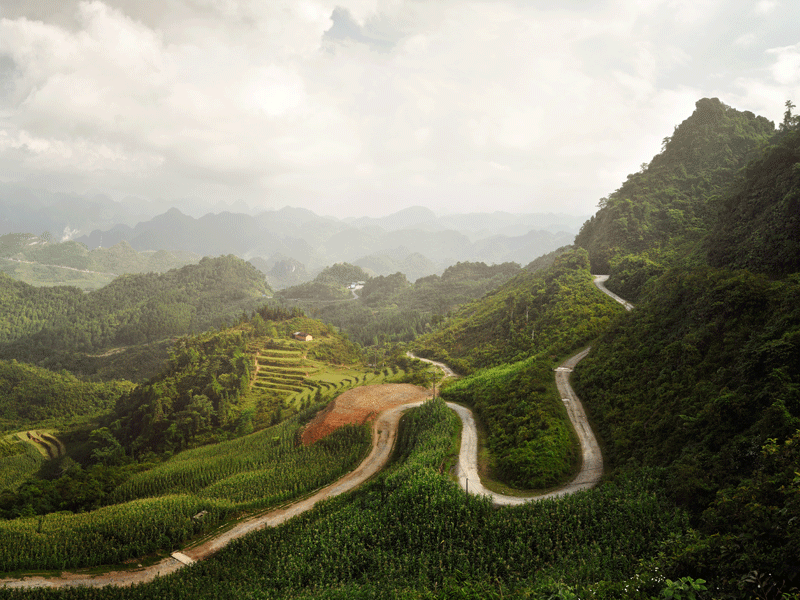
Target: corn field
[{"x": 154, "y": 509}]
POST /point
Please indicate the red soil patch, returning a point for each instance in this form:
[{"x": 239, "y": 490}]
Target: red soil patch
[{"x": 359, "y": 405}]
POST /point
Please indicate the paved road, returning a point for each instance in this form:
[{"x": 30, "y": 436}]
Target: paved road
[
  {"x": 600, "y": 280},
  {"x": 592, "y": 464}
]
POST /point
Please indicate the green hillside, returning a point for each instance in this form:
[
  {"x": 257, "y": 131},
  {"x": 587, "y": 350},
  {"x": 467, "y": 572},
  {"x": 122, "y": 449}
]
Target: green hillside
[
  {"x": 40, "y": 261},
  {"x": 553, "y": 310},
  {"x": 659, "y": 214},
  {"x": 391, "y": 309},
  {"x": 58, "y": 327},
  {"x": 703, "y": 378},
  {"x": 30, "y": 394}
]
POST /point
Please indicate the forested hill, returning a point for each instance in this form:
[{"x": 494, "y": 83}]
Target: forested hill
[
  {"x": 47, "y": 325},
  {"x": 40, "y": 261},
  {"x": 555, "y": 309},
  {"x": 665, "y": 203},
  {"x": 392, "y": 309},
  {"x": 702, "y": 379},
  {"x": 758, "y": 220}
]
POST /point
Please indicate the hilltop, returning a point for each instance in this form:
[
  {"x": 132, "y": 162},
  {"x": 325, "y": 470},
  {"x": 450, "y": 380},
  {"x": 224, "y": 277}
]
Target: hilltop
[{"x": 64, "y": 327}]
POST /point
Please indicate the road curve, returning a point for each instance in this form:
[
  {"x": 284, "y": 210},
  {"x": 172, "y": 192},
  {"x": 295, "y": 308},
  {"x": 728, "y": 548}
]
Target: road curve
[
  {"x": 384, "y": 434},
  {"x": 592, "y": 459},
  {"x": 448, "y": 372},
  {"x": 600, "y": 280},
  {"x": 592, "y": 463}
]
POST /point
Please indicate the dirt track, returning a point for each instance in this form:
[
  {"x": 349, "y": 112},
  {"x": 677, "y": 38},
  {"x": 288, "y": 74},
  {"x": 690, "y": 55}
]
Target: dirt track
[{"x": 388, "y": 403}]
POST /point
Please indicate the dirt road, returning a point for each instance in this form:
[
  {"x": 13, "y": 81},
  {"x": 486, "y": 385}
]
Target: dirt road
[
  {"x": 384, "y": 433},
  {"x": 448, "y": 372}
]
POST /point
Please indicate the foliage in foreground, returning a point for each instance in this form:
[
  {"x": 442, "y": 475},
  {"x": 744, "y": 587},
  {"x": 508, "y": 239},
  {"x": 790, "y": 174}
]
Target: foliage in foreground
[
  {"x": 156, "y": 507},
  {"x": 413, "y": 533}
]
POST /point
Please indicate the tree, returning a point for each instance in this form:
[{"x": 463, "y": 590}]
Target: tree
[
  {"x": 790, "y": 121},
  {"x": 107, "y": 449}
]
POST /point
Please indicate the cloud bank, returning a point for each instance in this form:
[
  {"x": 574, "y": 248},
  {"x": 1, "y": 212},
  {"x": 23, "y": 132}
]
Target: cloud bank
[{"x": 366, "y": 107}]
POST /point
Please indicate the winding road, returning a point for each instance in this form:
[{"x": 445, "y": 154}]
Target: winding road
[{"x": 384, "y": 433}]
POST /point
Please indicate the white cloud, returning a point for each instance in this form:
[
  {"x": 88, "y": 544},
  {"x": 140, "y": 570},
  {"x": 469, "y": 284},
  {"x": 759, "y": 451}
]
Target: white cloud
[
  {"x": 765, "y": 7},
  {"x": 468, "y": 102},
  {"x": 786, "y": 68}
]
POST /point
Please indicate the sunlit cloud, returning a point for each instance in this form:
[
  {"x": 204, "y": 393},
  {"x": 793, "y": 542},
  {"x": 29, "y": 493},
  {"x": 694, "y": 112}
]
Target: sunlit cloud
[{"x": 369, "y": 106}]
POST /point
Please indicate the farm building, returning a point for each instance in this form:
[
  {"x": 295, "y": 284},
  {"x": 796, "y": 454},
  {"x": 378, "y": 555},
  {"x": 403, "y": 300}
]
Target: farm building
[{"x": 302, "y": 336}]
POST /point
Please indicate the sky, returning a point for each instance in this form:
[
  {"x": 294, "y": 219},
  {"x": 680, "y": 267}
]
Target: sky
[{"x": 364, "y": 107}]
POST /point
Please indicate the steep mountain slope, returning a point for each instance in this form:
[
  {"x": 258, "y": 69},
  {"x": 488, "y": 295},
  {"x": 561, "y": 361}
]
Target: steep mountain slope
[
  {"x": 758, "y": 222},
  {"x": 555, "y": 309},
  {"x": 666, "y": 204},
  {"x": 703, "y": 379}
]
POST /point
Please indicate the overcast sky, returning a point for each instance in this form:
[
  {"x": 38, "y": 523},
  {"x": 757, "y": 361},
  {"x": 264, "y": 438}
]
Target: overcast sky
[{"x": 365, "y": 107}]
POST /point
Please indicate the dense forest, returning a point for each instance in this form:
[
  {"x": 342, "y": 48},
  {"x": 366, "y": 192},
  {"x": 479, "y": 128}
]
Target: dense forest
[
  {"x": 390, "y": 309},
  {"x": 552, "y": 310},
  {"x": 661, "y": 212},
  {"x": 58, "y": 327},
  {"x": 30, "y": 394}
]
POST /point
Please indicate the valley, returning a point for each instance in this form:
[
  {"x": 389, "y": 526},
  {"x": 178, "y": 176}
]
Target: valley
[
  {"x": 657, "y": 357},
  {"x": 383, "y": 405}
]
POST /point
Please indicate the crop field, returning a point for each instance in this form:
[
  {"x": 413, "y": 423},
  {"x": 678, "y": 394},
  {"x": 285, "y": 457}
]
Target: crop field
[
  {"x": 22, "y": 454},
  {"x": 157, "y": 510},
  {"x": 287, "y": 379}
]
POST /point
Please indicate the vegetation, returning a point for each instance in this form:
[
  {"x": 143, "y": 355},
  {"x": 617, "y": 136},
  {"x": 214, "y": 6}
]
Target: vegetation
[
  {"x": 57, "y": 327},
  {"x": 42, "y": 262},
  {"x": 30, "y": 394},
  {"x": 389, "y": 309},
  {"x": 20, "y": 458},
  {"x": 759, "y": 219},
  {"x": 157, "y": 509},
  {"x": 550, "y": 311},
  {"x": 529, "y": 436},
  {"x": 661, "y": 212},
  {"x": 331, "y": 284},
  {"x": 411, "y": 533}
]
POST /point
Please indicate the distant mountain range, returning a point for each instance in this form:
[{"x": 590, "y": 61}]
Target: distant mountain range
[{"x": 414, "y": 241}]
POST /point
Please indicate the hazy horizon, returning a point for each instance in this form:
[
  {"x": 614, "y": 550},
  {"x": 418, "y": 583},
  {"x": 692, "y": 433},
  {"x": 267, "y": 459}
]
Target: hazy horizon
[{"x": 357, "y": 108}]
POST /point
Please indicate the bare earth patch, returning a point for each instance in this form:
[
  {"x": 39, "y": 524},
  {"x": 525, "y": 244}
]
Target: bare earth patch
[{"x": 359, "y": 405}]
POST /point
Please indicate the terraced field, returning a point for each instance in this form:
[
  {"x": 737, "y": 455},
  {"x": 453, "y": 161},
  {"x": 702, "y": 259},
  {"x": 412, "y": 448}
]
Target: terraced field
[
  {"x": 22, "y": 454},
  {"x": 287, "y": 379}
]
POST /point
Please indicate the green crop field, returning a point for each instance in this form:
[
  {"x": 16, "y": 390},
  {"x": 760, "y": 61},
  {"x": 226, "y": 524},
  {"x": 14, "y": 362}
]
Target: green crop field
[
  {"x": 288, "y": 378},
  {"x": 153, "y": 511}
]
